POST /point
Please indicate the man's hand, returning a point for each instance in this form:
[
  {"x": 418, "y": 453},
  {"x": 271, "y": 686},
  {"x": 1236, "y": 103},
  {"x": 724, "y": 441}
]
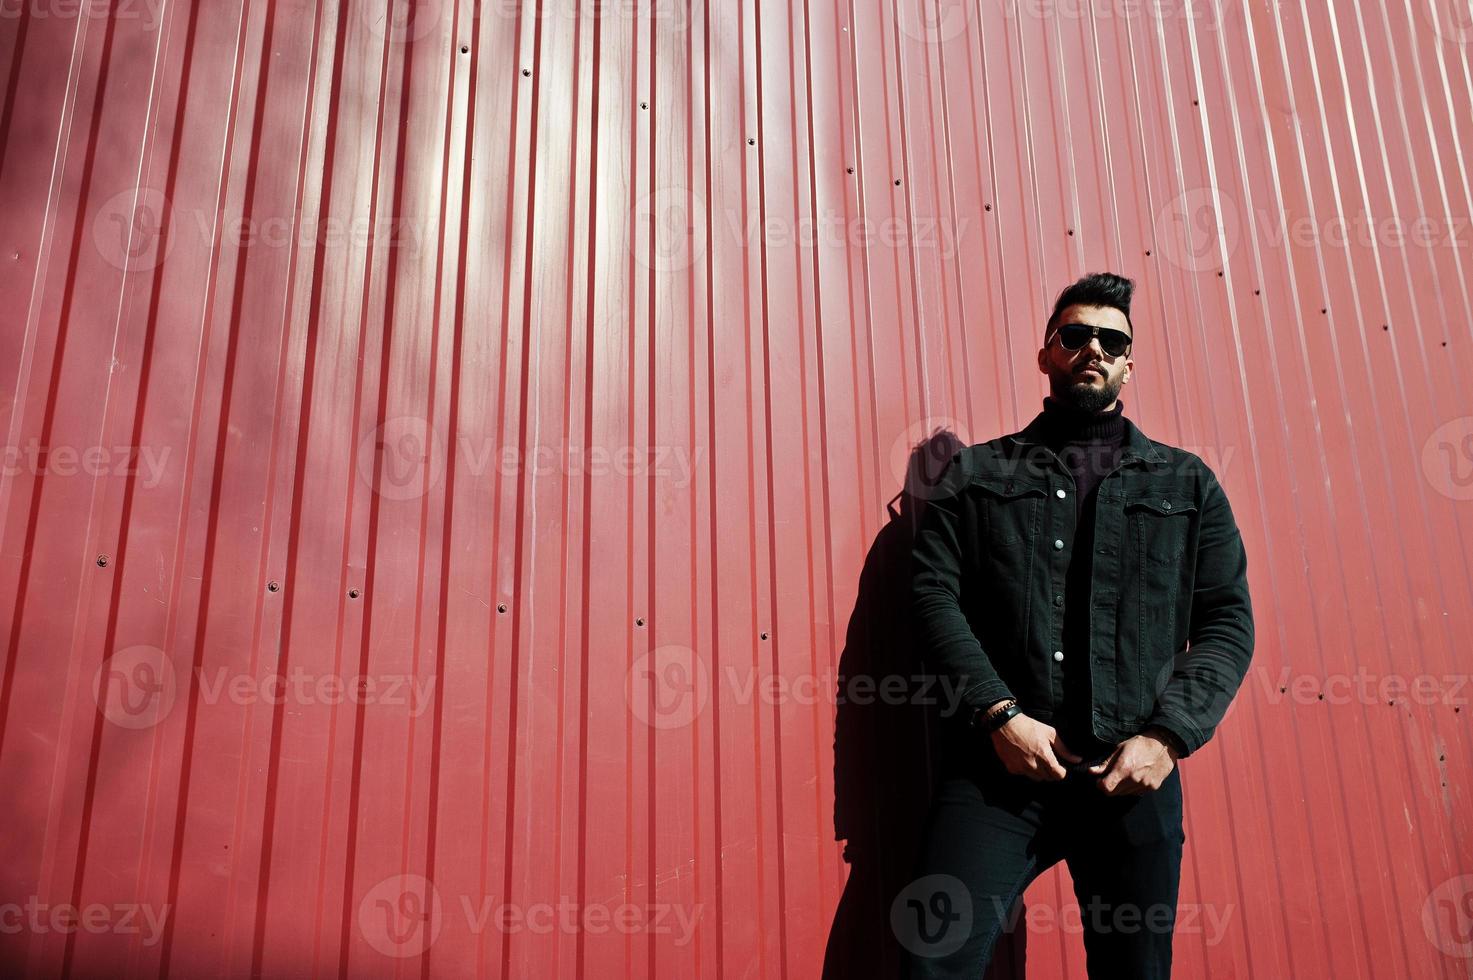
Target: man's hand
[
  {"x": 1028, "y": 747},
  {"x": 1139, "y": 764}
]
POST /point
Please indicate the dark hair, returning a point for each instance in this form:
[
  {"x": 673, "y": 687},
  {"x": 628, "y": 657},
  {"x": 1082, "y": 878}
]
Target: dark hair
[{"x": 1095, "y": 289}]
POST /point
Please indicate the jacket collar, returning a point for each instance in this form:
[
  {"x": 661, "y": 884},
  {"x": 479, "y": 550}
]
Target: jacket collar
[{"x": 1137, "y": 444}]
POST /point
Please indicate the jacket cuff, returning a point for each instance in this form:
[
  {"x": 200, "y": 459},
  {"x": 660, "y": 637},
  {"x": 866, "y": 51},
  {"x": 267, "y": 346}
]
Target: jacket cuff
[
  {"x": 985, "y": 695},
  {"x": 1186, "y": 736}
]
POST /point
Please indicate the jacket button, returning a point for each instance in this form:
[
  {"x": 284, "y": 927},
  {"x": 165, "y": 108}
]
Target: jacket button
[
  {"x": 1058, "y": 600},
  {"x": 1058, "y": 493},
  {"x": 1058, "y": 544},
  {"x": 1058, "y": 655},
  {"x": 1166, "y": 504}
]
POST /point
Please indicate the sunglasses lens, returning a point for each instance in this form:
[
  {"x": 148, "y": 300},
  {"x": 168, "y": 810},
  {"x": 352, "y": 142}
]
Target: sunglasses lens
[
  {"x": 1073, "y": 336},
  {"x": 1113, "y": 342}
]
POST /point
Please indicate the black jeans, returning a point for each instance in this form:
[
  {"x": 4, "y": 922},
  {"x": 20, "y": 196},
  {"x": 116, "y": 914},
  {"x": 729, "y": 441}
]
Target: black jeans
[{"x": 991, "y": 833}]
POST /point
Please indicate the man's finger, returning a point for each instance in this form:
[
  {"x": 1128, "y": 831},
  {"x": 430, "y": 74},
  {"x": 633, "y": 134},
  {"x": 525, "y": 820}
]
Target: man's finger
[
  {"x": 1051, "y": 764},
  {"x": 1104, "y": 764}
]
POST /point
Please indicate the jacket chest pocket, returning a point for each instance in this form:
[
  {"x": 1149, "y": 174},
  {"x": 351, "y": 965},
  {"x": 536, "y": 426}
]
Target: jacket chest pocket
[
  {"x": 1012, "y": 510},
  {"x": 1159, "y": 526}
]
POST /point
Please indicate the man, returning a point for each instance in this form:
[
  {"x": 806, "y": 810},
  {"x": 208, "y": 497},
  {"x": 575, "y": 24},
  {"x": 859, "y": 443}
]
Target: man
[{"x": 1085, "y": 587}]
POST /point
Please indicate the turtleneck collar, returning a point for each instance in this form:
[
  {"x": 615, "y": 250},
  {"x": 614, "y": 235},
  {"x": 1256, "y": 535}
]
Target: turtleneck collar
[{"x": 1063, "y": 423}]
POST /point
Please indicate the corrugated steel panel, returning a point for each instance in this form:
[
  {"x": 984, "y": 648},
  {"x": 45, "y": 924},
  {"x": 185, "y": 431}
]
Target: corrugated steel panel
[{"x": 523, "y": 383}]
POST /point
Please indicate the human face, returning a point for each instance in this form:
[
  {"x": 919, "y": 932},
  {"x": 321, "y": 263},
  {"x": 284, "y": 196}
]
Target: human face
[{"x": 1087, "y": 378}]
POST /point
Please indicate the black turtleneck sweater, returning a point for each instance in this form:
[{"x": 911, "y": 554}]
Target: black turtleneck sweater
[{"x": 1089, "y": 444}]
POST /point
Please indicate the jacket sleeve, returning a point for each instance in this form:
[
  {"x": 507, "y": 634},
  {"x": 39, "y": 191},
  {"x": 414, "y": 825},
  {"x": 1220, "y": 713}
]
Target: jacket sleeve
[
  {"x": 945, "y": 636},
  {"x": 1220, "y": 643}
]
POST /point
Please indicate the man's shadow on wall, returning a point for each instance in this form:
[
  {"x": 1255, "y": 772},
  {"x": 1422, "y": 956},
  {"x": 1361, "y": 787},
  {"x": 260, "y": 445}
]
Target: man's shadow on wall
[{"x": 886, "y": 749}]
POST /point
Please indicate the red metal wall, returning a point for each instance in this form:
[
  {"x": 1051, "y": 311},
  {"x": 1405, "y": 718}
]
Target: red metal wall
[{"x": 525, "y": 382}]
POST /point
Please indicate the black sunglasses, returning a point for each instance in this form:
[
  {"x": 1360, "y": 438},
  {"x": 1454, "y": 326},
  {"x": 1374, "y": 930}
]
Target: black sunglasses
[{"x": 1075, "y": 335}]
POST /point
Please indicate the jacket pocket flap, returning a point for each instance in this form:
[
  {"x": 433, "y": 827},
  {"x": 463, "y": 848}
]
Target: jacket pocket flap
[
  {"x": 1008, "y": 486},
  {"x": 1168, "y": 502}
]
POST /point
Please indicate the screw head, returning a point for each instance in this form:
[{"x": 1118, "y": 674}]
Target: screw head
[
  {"x": 353, "y": 593},
  {"x": 273, "y": 586},
  {"x": 102, "y": 561}
]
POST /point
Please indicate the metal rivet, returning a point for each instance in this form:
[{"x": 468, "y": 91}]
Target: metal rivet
[
  {"x": 353, "y": 593},
  {"x": 465, "y": 49},
  {"x": 272, "y": 586},
  {"x": 639, "y": 621},
  {"x": 102, "y": 561},
  {"x": 644, "y": 105},
  {"x": 501, "y": 607},
  {"x": 526, "y": 72},
  {"x": 751, "y": 141},
  {"x": 764, "y": 634}
]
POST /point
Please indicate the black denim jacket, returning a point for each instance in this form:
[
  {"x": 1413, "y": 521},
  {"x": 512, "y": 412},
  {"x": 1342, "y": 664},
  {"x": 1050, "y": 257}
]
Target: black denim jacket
[{"x": 1171, "y": 624}]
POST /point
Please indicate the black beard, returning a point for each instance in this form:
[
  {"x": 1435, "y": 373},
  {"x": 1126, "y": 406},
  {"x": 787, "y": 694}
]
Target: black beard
[{"x": 1086, "y": 397}]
